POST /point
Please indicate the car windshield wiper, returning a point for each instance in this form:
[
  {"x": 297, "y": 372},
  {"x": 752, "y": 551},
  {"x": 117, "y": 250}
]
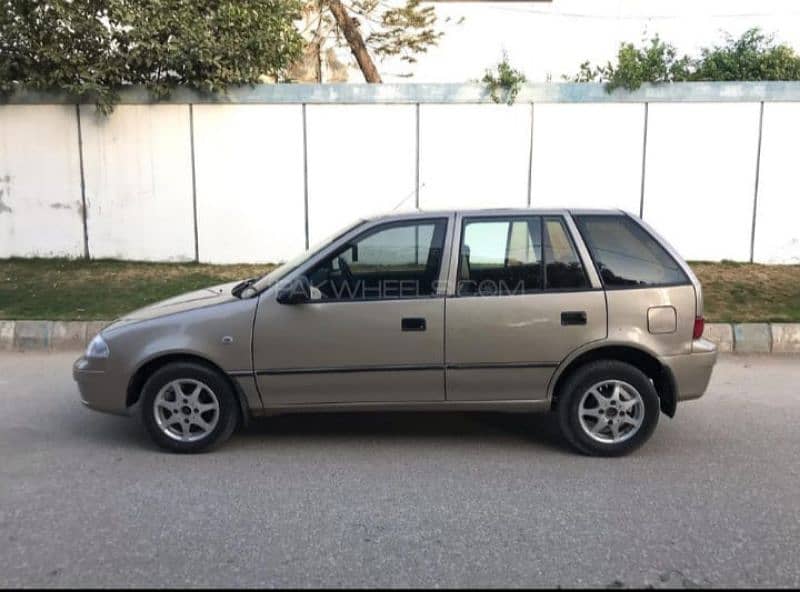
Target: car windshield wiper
[{"x": 242, "y": 286}]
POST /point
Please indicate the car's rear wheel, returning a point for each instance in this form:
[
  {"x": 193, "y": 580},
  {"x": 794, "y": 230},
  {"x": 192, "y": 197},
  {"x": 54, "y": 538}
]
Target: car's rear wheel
[
  {"x": 607, "y": 408},
  {"x": 188, "y": 407}
]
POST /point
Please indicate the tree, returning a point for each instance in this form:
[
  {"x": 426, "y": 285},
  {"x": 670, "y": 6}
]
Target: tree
[
  {"x": 753, "y": 56},
  {"x": 93, "y": 48},
  {"x": 59, "y": 45},
  {"x": 370, "y": 29},
  {"x": 349, "y": 27},
  {"x": 654, "y": 61}
]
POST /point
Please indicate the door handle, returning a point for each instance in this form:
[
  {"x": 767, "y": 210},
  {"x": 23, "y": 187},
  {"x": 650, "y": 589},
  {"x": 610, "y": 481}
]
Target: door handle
[
  {"x": 413, "y": 324},
  {"x": 573, "y": 317}
]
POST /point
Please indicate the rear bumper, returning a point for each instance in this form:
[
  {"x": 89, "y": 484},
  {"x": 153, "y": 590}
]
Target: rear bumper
[
  {"x": 692, "y": 372},
  {"x": 98, "y": 389}
]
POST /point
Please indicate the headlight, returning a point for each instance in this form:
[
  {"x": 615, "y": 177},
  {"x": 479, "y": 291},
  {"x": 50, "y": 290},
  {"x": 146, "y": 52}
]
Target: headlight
[{"x": 98, "y": 348}]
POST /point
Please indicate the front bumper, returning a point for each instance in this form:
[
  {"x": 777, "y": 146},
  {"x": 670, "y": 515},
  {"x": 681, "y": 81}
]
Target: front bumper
[
  {"x": 99, "y": 390},
  {"x": 692, "y": 372}
]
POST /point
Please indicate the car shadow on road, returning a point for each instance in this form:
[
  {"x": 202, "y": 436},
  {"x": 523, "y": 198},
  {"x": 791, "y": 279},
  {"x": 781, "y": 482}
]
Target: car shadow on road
[{"x": 538, "y": 429}]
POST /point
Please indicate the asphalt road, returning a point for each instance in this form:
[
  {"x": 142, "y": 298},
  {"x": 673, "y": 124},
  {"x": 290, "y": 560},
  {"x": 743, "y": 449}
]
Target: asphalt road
[{"x": 401, "y": 499}]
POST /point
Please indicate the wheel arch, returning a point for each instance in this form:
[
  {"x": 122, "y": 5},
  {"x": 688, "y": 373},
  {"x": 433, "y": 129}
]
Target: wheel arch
[
  {"x": 640, "y": 358},
  {"x": 149, "y": 367}
]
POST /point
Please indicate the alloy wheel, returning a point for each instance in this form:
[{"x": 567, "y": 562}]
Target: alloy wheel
[
  {"x": 186, "y": 410},
  {"x": 611, "y": 411}
]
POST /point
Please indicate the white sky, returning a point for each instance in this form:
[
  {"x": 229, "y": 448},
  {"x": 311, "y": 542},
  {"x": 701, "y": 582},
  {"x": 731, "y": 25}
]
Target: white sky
[{"x": 554, "y": 38}]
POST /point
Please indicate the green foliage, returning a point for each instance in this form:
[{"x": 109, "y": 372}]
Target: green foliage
[
  {"x": 406, "y": 30},
  {"x": 655, "y": 61},
  {"x": 504, "y": 79},
  {"x": 753, "y": 56},
  {"x": 93, "y": 48},
  {"x": 60, "y": 46}
]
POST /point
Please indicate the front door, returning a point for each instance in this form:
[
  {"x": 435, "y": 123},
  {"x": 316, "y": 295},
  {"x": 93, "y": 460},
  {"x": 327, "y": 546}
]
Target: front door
[
  {"x": 522, "y": 302},
  {"x": 374, "y": 329}
]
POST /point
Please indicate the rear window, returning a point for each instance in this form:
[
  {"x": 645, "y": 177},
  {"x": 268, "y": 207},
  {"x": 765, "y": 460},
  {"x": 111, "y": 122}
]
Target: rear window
[{"x": 626, "y": 255}]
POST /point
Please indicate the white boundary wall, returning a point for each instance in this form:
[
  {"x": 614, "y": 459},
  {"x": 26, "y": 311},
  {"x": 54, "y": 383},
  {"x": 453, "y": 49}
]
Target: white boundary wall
[
  {"x": 41, "y": 210},
  {"x": 257, "y": 175},
  {"x": 249, "y": 178}
]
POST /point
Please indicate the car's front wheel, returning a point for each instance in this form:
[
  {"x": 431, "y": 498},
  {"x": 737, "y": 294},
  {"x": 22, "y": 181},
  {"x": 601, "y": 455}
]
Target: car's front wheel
[
  {"x": 607, "y": 408},
  {"x": 188, "y": 407}
]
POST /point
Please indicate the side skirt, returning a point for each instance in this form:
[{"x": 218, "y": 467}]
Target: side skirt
[{"x": 516, "y": 406}]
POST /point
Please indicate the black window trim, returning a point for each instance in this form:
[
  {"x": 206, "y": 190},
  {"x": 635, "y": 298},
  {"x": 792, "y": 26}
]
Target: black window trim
[
  {"x": 527, "y": 218},
  {"x": 578, "y": 219},
  {"x": 373, "y": 229}
]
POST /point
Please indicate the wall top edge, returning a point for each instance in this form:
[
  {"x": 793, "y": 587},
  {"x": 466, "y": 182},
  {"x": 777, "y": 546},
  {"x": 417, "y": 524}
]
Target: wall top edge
[{"x": 690, "y": 92}]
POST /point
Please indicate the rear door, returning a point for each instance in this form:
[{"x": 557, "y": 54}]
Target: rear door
[{"x": 524, "y": 297}]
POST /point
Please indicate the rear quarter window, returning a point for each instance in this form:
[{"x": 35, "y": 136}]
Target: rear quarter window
[{"x": 626, "y": 255}]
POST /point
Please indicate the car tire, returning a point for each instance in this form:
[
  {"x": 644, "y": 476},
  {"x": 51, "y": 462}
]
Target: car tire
[
  {"x": 607, "y": 408},
  {"x": 188, "y": 407}
]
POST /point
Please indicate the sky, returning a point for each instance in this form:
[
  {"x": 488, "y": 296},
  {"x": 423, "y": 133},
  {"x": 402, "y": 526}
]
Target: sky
[{"x": 548, "y": 39}]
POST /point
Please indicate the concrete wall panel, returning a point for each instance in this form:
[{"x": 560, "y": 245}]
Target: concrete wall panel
[
  {"x": 249, "y": 161},
  {"x": 361, "y": 162},
  {"x": 777, "y": 238},
  {"x": 588, "y": 155},
  {"x": 474, "y": 156},
  {"x": 700, "y": 177},
  {"x": 139, "y": 182},
  {"x": 40, "y": 185}
]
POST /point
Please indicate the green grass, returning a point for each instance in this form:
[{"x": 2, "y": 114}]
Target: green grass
[
  {"x": 747, "y": 292},
  {"x": 75, "y": 289}
]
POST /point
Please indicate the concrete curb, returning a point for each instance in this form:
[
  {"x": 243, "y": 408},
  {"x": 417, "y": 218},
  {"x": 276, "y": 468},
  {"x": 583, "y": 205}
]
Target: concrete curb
[
  {"x": 48, "y": 335},
  {"x": 745, "y": 338},
  {"x": 755, "y": 338},
  {"x": 785, "y": 338}
]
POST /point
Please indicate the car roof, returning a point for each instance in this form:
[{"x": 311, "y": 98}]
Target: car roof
[{"x": 496, "y": 212}]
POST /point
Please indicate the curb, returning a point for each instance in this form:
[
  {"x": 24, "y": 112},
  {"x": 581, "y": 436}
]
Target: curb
[
  {"x": 755, "y": 338},
  {"x": 742, "y": 338},
  {"x": 54, "y": 336}
]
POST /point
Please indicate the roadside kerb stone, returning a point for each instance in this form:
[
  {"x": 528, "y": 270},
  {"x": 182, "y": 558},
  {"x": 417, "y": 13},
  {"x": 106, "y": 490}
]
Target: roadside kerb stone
[
  {"x": 32, "y": 335},
  {"x": 721, "y": 334},
  {"x": 785, "y": 338},
  {"x": 68, "y": 335},
  {"x": 752, "y": 338},
  {"x": 6, "y": 335}
]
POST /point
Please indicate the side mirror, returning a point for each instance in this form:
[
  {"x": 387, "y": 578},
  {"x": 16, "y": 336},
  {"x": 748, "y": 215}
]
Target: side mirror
[{"x": 295, "y": 292}]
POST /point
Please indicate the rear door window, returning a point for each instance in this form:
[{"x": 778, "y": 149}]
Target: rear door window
[
  {"x": 500, "y": 257},
  {"x": 517, "y": 255},
  {"x": 626, "y": 255}
]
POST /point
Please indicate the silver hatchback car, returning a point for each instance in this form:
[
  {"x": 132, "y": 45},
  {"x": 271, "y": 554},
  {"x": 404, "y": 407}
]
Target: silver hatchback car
[{"x": 586, "y": 313}]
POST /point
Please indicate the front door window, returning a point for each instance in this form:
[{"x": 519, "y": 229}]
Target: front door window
[{"x": 397, "y": 260}]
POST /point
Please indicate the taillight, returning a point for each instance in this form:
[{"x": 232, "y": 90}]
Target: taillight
[{"x": 699, "y": 325}]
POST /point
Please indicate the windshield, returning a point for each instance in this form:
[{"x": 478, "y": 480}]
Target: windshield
[{"x": 282, "y": 270}]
